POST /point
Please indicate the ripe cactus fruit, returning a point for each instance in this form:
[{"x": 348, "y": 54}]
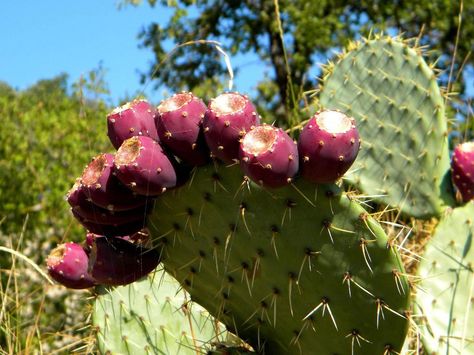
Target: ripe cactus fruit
[
  {"x": 328, "y": 145},
  {"x": 135, "y": 118},
  {"x": 141, "y": 237},
  {"x": 116, "y": 261},
  {"x": 300, "y": 269},
  {"x": 111, "y": 229},
  {"x": 86, "y": 210},
  {"x": 141, "y": 165},
  {"x": 386, "y": 85},
  {"x": 103, "y": 188},
  {"x": 67, "y": 264},
  {"x": 228, "y": 117},
  {"x": 154, "y": 316},
  {"x": 462, "y": 167},
  {"x": 269, "y": 156},
  {"x": 445, "y": 295},
  {"x": 178, "y": 122}
]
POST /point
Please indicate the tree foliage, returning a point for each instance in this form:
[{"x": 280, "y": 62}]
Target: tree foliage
[
  {"x": 311, "y": 30},
  {"x": 46, "y": 137}
]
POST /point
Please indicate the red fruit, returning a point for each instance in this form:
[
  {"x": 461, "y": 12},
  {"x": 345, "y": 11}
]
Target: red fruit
[
  {"x": 104, "y": 189},
  {"x": 269, "y": 156},
  {"x": 135, "y": 118},
  {"x": 115, "y": 261},
  {"x": 178, "y": 123},
  {"x": 228, "y": 117},
  {"x": 68, "y": 265},
  {"x": 141, "y": 237},
  {"x": 85, "y": 209},
  {"x": 462, "y": 167},
  {"x": 141, "y": 165},
  {"x": 117, "y": 229},
  {"x": 328, "y": 145}
]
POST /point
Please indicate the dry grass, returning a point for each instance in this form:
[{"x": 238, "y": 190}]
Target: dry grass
[{"x": 36, "y": 315}]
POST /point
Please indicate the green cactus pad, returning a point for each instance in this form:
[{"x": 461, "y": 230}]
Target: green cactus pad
[
  {"x": 154, "y": 316},
  {"x": 301, "y": 269},
  {"x": 446, "y": 293},
  {"x": 394, "y": 97}
]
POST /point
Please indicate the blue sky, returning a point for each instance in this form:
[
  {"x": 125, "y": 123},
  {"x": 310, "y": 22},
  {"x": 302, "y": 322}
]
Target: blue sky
[{"x": 42, "y": 38}]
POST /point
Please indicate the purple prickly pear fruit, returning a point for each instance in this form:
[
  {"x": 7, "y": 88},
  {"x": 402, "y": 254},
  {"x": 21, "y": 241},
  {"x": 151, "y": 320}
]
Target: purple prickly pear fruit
[
  {"x": 135, "y": 118},
  {"x": 141, "y": 165},
  {"x": 178, "y": 122},
  {"x": 118, "y": 229},
  {"x": 328, "y": 145},
  {"x": 80, "y": 204},
  {"x": 90, "y": 237},
  {"x": 228, "y": 117},
  {"x": 76, "y": 194},
  {"x": 141, "y": 237},
  {"x": 68, "y": 265},
  {"x": 103, "y": 188},
  {"x": 462, "y": 167},
  {"x": 269, "y": 156},
  {"x": 115, "y": 261}
]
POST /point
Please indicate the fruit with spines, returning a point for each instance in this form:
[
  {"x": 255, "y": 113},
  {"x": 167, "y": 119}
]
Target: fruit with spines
[
  {"x": 135, "y": 118},
  {"x": 111, "y": 229},
  {"x": 228, "y": 117},
  {"x": 68, "y": 265},
  {"x": 269, "y": 156},
  {"x": 86, "y": 210},
  {"x": 102, "y": 187},
  {"x": 445, "y": 303},
  {"x": 116, "y": 261},
  {"x": 141, "y": 237},
  {"x": 462, "y": 168},
  {"x": 179, "y": 125},
  {"x": 142, "y": 165},
  {"x": 328, "y": 145},
  {"x": 386, "y": 85}
]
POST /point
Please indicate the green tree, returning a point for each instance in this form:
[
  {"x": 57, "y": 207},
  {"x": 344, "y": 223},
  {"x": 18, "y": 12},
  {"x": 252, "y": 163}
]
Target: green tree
[
  {"x": 311, "y": 30},
  {"x": 47, "y": 136}
]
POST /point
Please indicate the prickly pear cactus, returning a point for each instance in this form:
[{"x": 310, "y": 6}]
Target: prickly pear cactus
[
  {"x": 446, "y": 293},
  {"x": 300, "y": 269},
  {"x": 153, "y": 316},
  {"x": 393, "y": 94}
]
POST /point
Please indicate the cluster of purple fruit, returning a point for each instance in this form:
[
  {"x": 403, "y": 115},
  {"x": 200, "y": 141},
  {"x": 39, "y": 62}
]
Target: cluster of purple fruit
[
  {"x": 156, "y": 148},
  {"x": 462, "y": 168}
]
